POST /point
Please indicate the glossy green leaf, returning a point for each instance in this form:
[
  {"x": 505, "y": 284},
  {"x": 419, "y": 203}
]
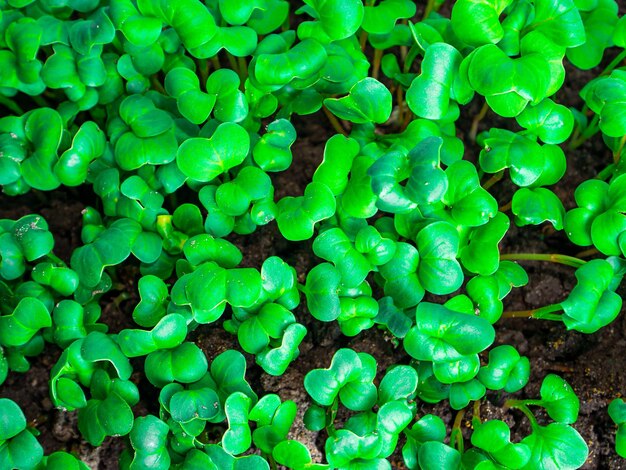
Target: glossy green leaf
[
  {"x": 559, "y": 400},
  {"x": 184, "y": 85},
  {"x": 381, "y": 18},
  {"x": 203, "y": 159},
  {"x": 273, "y": 151},
  {"x": 430, "y": 93},
  {"x": 22, "y": 451},
  {"x": 336, "y": 19},
  {"x": 556, "y": 444},
  {"x": 494, "y": 437},
  {"x": 617, "y": 412},
  {"x": 304, "y": 62},
  {"x": 438, "y": 270},
  {"x": 509, "y": 84},
  {"x": 347, "y": 447},
  {"x": 506, "y": 370},
  {"x": 482, "y": 255},
  {"x": 297, "y": 216},
  {"x": 592, "y": 303},
  {"x": 434, "y": 454},
  {"x": 148, "y": 438},
  {"x": 230, "y": 104},
  {"x": 339, "y": 153},
  {"x": 401, "y": 281},
  {"x": 427, "y": 428},
  {"x": 478, "y": 23},
  {"x": 442, "y": 335},
  {"x": 237, "y": 438},
  {"x": 109, "y": 417},
  {"x": 191, "y": 20},
  {"x": 333, "y": 245},
  {"x": 599, "y": 27},
  {"x": 534, "y": 206},
  {"x": 185, "y": 363},
  {"x": 462, "y": 393},
  {"x": 349, "y": 376},
  {"x": 368, "y": 101},
  {"x": 28, "y": 317},
  {"x": 399, "y": 383},
  {"x": 560, "y": 22},
  {"x": 12, "y": 419},
  {"x": 550, "y": 122},
  {"x": 87, "y": 145},
  {"x": 468, "y": 202}
]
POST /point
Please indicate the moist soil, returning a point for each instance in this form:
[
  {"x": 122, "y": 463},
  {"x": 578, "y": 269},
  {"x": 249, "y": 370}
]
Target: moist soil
[{"x": 593, "y": 364}]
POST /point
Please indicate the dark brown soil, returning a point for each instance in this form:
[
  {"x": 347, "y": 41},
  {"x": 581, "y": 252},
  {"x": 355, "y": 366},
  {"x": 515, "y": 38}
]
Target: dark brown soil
[{"x": 593, "y": 364}]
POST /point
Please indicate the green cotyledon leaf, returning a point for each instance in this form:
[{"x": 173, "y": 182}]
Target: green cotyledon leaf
[
  {"x": 462, "y": 393},
  {"x": 32, "y": 236},
  {"x": 274, "y": 70},
  {"x": 191, "y": 20},
  {"x": 441, "y": 334},
  {"x": 12, "y": 419},
  {"x": 273, "y": 151},
  {"x": 619, "y": 33},
  {"x": 321, "y": 290},
  {"x": 478, "y": 23},
  {"x": 428, "y": 428},
  {"x": 401, "y": 280},
  {"x": 297, "y": 216},
  {"x": 111, "y": 416},
  {"x": 28, "y": 317},
  {"x": 184, "y": 85},
  {"x": 148, "y": 438},
  {"x": 506, "y": 370},
  {"x": 203, "y": 159},
  {"x": 250, "y": 185},
  {"x": 19, "y": 448},
  {"x": 368, "y": 101},
  {"x": 230, "y": 102},
  {"x": 139, "y": 30},
  {"x": 381, "y": 18},
  {"x": 606, "y": 96},
  {"x": 617, "y": 412},
  {"x": 434, "y": 454},
  {"x": 349, "y": 376},
  {"x": 430, "y": 93},
  {"x": 551, "y": 122},
  {"x": 537, "y": 205},
  {"x": 494, "y": 437},
  {"x": 276, "y": 360},
  {"x": 274, "y": 419},
  {"x": 599, "y": 25},
  {"x": 87, "y": 144},
  {"x": 559, "y": 21},
  {"x": 339, "y": 153},
  {"x": 556, "y": 444},
  {"x": 293, "y": 454},
  {"x": 592, "y": 303},
  {"x": 559, "y": 399},
  {"x": 529, "y": 163},
  {"x": 185, "y": 363},
  {"x": 334, "y": 245},
  {"x": 482, "y": 255},
  {"x": 508, "y": 84},
  {"x": 438, "y": 270},
  {"x": 238, "y": 437},
  {"x": 468, "y": 203},
  {"x": 240, "y": 12},
  {"x": 336, "y": 19}
]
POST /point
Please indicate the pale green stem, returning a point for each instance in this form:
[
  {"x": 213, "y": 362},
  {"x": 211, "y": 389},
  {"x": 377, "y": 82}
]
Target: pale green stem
[{"x": 552, "y": 258}]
